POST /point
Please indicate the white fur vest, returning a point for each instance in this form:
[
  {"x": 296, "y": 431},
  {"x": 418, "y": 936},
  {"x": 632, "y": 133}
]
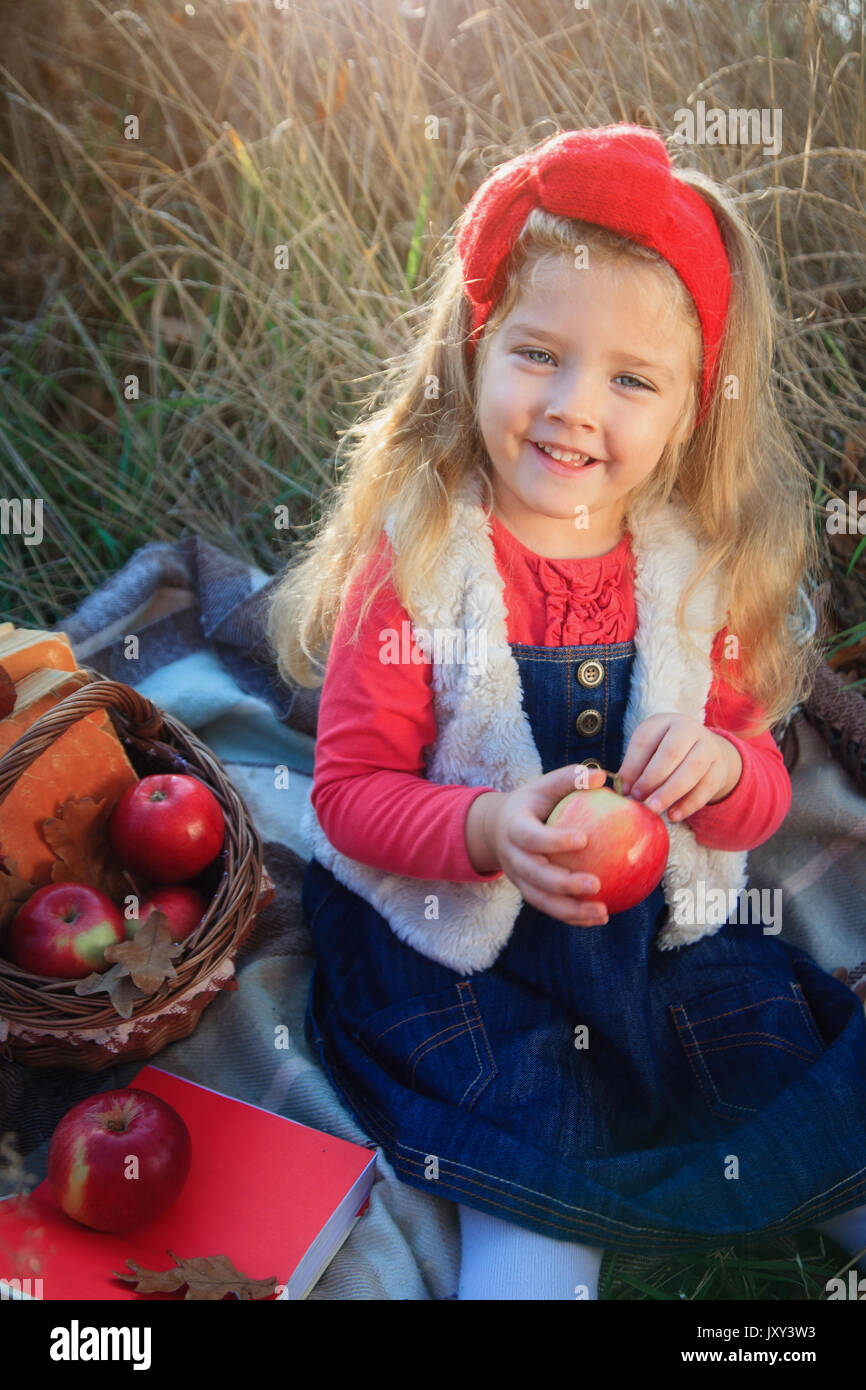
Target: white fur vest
[{"x": 484, "y": 737}]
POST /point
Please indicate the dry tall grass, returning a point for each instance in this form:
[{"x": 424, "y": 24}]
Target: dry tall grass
[{"x": 351, "y": 135}]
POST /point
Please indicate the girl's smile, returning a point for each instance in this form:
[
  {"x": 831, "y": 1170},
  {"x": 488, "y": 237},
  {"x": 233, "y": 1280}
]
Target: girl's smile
[
  {"x": 587, "y": 365},
  {"x": 564, "y": 467}
]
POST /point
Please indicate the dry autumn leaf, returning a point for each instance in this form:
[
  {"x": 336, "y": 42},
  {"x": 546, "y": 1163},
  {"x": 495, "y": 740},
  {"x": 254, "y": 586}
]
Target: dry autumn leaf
[
  {"x": 117, "y": 983},
  {"x": 78, "y": 835},
  {"x": 206, "y": 1277},
  {"x": 138, "y": 967},
  {"x": 148, "y": 958}
]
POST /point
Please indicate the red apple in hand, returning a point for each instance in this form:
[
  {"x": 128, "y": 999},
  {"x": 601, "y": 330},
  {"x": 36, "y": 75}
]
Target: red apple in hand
[
  {"x": 627, "y": 844},
  {"x": 62, "y": 931},
  {"x": 183, "y": 906},
  {"x": 167, "y": 827},
  {"x": 118, "y": 1159}
]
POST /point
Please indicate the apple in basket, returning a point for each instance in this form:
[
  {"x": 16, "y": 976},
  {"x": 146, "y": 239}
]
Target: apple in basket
[
  {"x": 627, "y": 844},
  {"x": 62, "y": 931},
  {"x": 167, "y": 827},
  {"x": 118, "y": 1158},
  {"x": 183, "y": 906}
]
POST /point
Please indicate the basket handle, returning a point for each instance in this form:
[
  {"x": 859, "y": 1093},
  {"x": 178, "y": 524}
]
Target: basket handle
[{"x": 101, "y": 693}]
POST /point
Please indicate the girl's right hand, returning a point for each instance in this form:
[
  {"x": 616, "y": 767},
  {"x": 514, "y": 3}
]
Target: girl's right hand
[{"x": 522, "y": 842}]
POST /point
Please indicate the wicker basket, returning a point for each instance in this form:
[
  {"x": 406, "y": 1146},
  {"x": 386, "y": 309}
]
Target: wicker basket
[{"x": 45, "y": 1023}]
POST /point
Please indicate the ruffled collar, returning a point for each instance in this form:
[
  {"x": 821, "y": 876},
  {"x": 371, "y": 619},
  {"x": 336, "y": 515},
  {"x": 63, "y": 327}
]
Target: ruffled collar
[{"x": 585, "y": 598}]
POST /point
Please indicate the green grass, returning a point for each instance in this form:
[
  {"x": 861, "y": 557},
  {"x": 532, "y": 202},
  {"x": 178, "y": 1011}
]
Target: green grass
[{"x": 794, "y": 1268}]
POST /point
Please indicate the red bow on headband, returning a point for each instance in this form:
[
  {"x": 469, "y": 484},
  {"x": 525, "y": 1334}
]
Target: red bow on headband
[{"x": 617, "y": 176}]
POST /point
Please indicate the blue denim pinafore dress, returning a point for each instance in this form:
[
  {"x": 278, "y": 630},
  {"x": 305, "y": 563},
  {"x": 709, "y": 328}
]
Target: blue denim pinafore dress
[{"x": 588, "y": 1085}]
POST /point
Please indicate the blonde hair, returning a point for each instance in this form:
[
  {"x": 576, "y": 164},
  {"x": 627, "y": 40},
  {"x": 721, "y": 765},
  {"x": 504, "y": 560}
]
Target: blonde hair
[{"x": 740, "y": 473}]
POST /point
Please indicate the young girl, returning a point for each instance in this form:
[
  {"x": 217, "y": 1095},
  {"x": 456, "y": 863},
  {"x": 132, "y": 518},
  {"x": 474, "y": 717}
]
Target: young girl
[{"x": 573, "y": 541}]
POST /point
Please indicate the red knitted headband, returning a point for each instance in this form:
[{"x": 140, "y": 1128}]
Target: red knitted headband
[{"x": 617, "y": 176}]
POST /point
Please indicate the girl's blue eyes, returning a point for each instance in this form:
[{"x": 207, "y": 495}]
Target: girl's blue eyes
[{"x": 641, "y": 385}]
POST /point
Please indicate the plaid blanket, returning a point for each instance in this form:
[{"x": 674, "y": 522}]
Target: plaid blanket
[{"x": 203, "y": 658}]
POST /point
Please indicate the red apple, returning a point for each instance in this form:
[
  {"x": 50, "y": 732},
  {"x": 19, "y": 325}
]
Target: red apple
[
  {"x": 167, "y": 827},
  {"x": 62, "y": 931},
  {"x": 183, "y": 906},
  {"x": 118, "y": 1159},
  {"x": 627, "y": 844}
]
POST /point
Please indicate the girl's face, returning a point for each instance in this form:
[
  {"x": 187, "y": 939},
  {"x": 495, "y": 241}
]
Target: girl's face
[{"x": 583, "y": 362}]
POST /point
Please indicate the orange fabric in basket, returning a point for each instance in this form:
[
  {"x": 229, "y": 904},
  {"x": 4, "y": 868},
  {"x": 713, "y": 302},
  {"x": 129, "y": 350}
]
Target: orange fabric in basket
[
  {"x": 88, "y": 759},
  {"x": 53, "y": 650}
]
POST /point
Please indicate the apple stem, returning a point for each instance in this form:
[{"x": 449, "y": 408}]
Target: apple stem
[{"x": 617, "y": 784}]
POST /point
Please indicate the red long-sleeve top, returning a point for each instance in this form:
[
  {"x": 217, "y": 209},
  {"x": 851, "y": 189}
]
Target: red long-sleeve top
[{"x": 370, "y": 790}]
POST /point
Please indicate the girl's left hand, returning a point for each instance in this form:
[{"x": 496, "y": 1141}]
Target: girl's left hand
[{"x": 674, "y": 764}]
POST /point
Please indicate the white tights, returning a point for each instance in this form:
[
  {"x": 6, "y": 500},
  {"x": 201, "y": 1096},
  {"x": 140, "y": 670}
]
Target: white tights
[
  {"x": 849, "y": 1231},
  {"x": 500, "y": 1260}
]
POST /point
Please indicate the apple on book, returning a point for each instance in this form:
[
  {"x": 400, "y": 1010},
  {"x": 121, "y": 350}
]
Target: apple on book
[
  {"x": 264, "y": 1192},
  {"x": 118, "y": 1159}
]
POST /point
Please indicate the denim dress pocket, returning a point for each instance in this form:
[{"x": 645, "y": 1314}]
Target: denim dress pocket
[
  {"x": 745, "y": 1043},
  {"x": 433, "y": 1043}
]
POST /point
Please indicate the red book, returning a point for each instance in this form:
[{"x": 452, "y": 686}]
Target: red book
[{"x": 275, "y": 1196}]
